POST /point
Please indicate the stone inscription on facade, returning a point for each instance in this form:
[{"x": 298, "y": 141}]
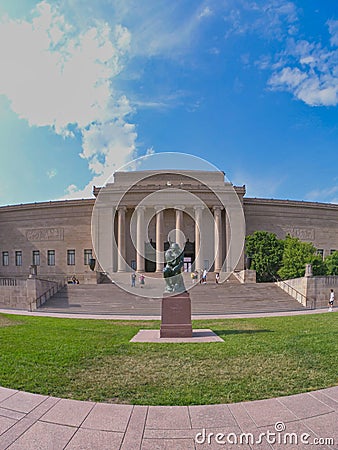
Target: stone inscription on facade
[
  {"x": 45, "y": 234},
  {"x": 304, "y": 234}
]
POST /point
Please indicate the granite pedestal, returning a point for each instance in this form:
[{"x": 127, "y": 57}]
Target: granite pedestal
[{"x": 176, "y": 316}]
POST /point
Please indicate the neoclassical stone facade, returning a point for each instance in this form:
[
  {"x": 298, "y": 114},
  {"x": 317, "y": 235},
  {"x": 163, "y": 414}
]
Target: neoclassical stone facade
[{"x": 141, "y": 212}]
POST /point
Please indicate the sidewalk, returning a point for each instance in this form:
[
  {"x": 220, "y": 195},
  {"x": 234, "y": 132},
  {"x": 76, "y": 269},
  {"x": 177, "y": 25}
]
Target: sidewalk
[
  {"x": 34, "y": 422},
  {"x": 158, "y": 317}
]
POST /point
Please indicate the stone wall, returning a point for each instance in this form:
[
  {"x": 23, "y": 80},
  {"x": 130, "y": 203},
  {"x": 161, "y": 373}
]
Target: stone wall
[
  {"x": 13, "y": 293},
  {"x": 58, "y": 226},
  {"x": 27, "y": 294},
  {"x": 316, "y": 290},
  {"x": 310, "y": 222}
]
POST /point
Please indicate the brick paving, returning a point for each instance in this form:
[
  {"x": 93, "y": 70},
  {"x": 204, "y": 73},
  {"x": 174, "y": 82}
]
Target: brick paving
[{"x": 33, "y": 422}]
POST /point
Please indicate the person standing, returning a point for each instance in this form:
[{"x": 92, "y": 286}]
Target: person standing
[
  {"x": 331, "y": 300},
  {"x": 133, "y": 279},
  {"x": 204, "y": 276},
  {"x": 142, "y": 280},
  {"x": 217, "y": 278}
]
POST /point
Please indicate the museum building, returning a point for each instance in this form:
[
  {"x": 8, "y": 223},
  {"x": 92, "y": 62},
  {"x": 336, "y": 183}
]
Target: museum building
[{"x": 129, "y": 223}]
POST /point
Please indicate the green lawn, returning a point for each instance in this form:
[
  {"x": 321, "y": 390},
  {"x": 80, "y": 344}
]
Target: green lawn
[{"x": 93, "y": 360}]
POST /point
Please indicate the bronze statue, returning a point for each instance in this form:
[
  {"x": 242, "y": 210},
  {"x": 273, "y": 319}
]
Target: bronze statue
[{"x": 172, "y": 271}]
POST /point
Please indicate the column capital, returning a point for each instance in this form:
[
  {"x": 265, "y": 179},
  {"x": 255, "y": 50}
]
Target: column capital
[
  {"x": 159, "y": 208},
  {"x": 179, "y": 207},
  {"x": 199, "y": 207},
  {"x": 140, "y": 208},
  {"x": 217, "y": 209},
  {"x": 121, "y": 208}
]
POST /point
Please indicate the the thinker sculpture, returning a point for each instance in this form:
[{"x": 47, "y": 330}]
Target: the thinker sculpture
[{"x": 172, "y": 272}]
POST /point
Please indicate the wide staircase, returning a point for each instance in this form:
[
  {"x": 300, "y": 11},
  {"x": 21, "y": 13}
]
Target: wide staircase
[{"x": 208, "y": 299}]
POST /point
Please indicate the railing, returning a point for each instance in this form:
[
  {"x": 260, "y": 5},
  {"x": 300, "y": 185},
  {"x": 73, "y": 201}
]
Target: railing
[
  {"x": 297, "y": 295},
  {"x": 47, "y": 294},
  {"x": 11, "y": 282}
]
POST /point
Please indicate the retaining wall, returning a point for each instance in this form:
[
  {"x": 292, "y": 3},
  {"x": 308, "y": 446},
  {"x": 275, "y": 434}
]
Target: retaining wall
[{"x": 315, "y": 289}]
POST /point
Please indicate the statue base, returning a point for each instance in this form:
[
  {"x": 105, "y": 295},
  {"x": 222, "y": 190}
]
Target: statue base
[{"x": 176, "y": 316}]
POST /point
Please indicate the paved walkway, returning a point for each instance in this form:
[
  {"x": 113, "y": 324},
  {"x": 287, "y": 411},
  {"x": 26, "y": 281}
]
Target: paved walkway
[{"x": 32, "y": 422}]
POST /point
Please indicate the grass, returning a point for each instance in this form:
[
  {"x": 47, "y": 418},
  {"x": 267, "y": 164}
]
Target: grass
[{"x": 94, "y": 360}]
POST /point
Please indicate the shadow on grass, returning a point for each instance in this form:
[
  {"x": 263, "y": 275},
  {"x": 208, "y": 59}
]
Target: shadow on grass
[{"x": 228, "y": 332}]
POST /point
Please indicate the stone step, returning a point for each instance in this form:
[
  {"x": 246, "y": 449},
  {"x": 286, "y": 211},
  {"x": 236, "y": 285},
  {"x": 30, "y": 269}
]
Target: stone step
[{"x": 206, "y": 299}]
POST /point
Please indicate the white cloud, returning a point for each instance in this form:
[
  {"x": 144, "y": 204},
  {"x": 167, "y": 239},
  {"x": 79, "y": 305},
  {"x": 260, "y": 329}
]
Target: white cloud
[
  {"x": 309, "y": 70},
  {"x": 58, "y": 76},
  {"x": 71, "y": 189},
  {"x": 333, "y": 30},
  {"x": 206, "y": 12},
  {"x": 161, "y": 27},
  {"x": 329, "y": 195},
  {"x": 271, "y": 18},
  {"x": 261, "y": 186},
  {"x": 51, "y": 173}
]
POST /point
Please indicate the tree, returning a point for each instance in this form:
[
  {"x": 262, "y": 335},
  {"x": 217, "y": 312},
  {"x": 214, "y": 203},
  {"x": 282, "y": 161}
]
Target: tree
[
  {"x": 295, "y": 256},
  {"x": 318, "y": 266},
  {"x": 331, "y": 264},
  {"x": 265, "y": 251}
]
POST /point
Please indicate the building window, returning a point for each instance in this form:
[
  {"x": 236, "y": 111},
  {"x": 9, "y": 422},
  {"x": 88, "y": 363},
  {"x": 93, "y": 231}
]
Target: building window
[
  {"x": 36, "y": 257},
  {"x": 51, "y": 257},
  {"x": 88, "y": 255},
  {"x": 320, "y": 252},
  {"x": 18, "y": 258},
  {"x": 332, "y": 251},
  {"x": 133, "y": 264},
  {"x": 71, "y": 257},
  {"x": 5, "y": 258}
]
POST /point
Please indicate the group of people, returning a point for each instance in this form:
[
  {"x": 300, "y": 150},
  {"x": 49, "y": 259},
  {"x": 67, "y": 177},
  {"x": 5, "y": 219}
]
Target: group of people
[
  {"x": 73, "y": 280},
  {"x": 141, "y": 280},
  {"x": 203, "y": 277},
  {"x": 194, "y": 278}
]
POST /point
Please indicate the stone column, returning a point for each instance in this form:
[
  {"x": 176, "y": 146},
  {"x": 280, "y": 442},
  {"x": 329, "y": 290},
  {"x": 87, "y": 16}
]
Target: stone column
[
  {"x": 198, "y": 237},
  {"x": 140, "y": 239},
  {"x": 218, "y": 238},
  {"x": 179, "y": 226},
  {"x": 159, "y": 238},
  {"x": 121, "y": 238},
  {"x": 228, "y": 242}
]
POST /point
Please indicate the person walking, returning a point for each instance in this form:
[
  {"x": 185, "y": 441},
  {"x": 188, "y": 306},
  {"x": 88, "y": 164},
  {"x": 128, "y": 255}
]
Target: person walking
[
  {"x": 331, "y": 300},
  {"x": 142, "y": 280}
]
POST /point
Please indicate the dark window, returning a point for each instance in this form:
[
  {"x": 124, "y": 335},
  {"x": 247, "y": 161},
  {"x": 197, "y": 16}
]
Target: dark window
[
  {"x": 51, "y": 257},
  {"x": 71, "y": 257},
  {"x": 36, "y": 257},
  {"x": 332, "y": 251},
  {"x": 320, "y": 252},
  {"x": 18, "y": 258},
  {"x": 5, "y": 258},
  {"x": 88, "y": 254}
]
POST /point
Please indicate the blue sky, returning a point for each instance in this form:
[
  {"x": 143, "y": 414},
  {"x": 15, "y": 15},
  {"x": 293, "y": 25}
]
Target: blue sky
[{"x": 87, "y": 86}]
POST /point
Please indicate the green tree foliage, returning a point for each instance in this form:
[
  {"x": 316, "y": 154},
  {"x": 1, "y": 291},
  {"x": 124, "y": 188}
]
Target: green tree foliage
[
  {"x": 318, "y": 266},
  {"x": 331, "y": 264},
  {"x": 266, "y": 253},
  {"x": 295, "y": 256}
]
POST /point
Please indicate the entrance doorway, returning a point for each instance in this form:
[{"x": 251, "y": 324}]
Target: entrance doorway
[{"x": 187, "y": 264}]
